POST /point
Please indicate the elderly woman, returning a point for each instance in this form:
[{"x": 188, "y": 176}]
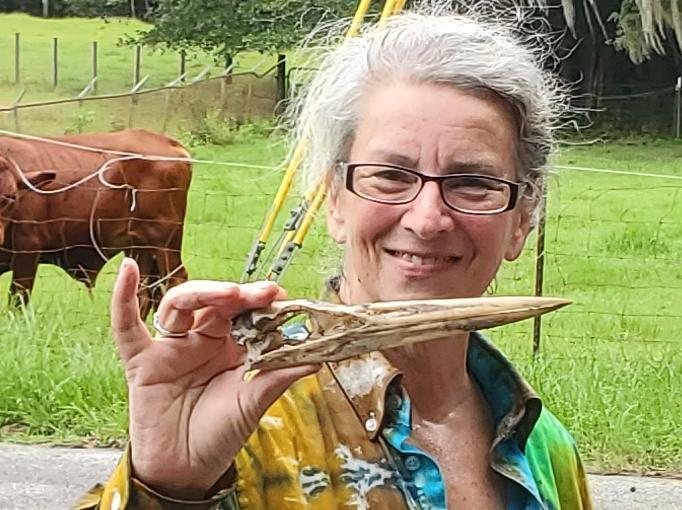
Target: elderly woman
[{"x": 433, "y": 133}]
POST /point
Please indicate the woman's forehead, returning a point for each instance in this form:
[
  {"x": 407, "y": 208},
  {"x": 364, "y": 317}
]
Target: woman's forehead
[{"x": 436, "y": 126}]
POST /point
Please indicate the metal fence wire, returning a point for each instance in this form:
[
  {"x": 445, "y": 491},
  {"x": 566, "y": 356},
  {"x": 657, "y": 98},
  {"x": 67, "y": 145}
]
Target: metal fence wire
[
  {"x": 613, "y": 240},
  {"x": 235, "y": 98}
]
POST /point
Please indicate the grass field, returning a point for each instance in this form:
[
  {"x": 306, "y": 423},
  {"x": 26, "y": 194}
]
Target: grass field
[
  {"x": 115, "y": 65},
  {"x": 610, "y": 364},
  {"x": 609, "y": 367}
]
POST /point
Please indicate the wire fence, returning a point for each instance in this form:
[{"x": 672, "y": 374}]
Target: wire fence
[
  {"x": 174, "y": 109},
  {"x": 612, "y": 239}
]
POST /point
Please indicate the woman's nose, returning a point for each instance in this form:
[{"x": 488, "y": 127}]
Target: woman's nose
[{"x": 428, "y": 215}]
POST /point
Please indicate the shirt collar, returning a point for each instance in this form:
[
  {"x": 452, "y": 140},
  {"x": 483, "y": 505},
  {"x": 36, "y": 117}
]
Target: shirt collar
[{"x": 365, "y": 380}]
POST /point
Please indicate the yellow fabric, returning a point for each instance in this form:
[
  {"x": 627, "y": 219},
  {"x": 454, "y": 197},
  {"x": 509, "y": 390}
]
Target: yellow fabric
[
  {"x": 117, "y": 489},
  {"x": 123, "y": 491}
]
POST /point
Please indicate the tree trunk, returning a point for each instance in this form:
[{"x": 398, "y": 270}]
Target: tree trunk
[{"x": 46, "y": 8}]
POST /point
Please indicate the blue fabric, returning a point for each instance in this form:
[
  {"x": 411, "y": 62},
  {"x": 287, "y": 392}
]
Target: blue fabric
[
  {"x": 504, "y": 390},
  {"x": 421, "y": 474}
]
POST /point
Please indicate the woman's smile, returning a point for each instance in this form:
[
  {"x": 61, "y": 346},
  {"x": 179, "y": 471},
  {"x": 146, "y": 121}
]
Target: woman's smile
[{"x": 421, "y": 263}]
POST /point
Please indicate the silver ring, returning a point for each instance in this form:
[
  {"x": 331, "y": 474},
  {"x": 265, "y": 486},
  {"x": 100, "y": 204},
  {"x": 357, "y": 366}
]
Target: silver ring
[{"x": 163, "y": 331}]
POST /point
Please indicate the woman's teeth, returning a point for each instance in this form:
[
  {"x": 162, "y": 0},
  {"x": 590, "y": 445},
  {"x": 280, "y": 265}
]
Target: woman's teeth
[{"x": 421, "y": 261}]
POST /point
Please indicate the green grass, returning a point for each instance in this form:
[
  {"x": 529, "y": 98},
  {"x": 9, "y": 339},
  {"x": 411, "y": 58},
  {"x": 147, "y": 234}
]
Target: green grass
[
  {"x": 609, "y": 366},
  {"x": 174, "y": 112},
  {"x": 115, "y": 65}
]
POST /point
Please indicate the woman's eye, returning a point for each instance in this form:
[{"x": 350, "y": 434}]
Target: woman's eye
[
  {"x": 394, "y": 176},
  {"x": 474, "y": 185}
]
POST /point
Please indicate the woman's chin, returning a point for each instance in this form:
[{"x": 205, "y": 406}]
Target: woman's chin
[{"x": 420, "y": 290}]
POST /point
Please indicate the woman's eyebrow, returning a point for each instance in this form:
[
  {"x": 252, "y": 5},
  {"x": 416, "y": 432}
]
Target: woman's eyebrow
[
  {"x": 453, "y": 167},
  {"x": 475, "y": 167},
  {"x": 394, "y": 158}
]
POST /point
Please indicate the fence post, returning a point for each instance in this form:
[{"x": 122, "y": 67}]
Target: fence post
[
  {"x": 183, "y": 63},
  {"x": 540, "y": 268},
  {"x": 93, "y": 55},
  {"x": 136, "y": 65},
  {"x": 225, "y": 81},
  {"x": 678, "y": 106},
  {"x": 281, "y": 82},
  {"x": 17, "y": 57},
  {"x": 55, "y": 62},
  {"x": 15, "y": 111},
  {"x": 229, "y": 66},
  {"x": 170, "y": 89},
  {"x": 133, "y": 99}
]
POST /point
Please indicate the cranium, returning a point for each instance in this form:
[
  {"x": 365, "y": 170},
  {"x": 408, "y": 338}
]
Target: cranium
[{"x": 338, "y": 331}]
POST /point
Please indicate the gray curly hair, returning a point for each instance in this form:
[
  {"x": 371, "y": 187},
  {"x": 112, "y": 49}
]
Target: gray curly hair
[{"x": 430, "y": 47}]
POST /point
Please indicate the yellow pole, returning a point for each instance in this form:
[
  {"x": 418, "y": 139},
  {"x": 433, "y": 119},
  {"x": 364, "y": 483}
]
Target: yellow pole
[
  {"x": 355, "y": 25},
  {"x": 399, "y": 5},
  {"x": 287, "y": 180},
  {"x": 388, "y": 10},
  {"x": 294, "y": 239},
  {"x": 310, "y": 216},
  {"x": 283, "y": 191}
]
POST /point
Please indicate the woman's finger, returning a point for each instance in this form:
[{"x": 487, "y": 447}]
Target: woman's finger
[
  {"x": 129, "y": 331},
  {"x": 177, "y": 311},
  {"x": 211, "y": 322}
]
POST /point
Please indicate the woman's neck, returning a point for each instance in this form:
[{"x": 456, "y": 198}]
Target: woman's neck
[{"x": 435, "y": 375}]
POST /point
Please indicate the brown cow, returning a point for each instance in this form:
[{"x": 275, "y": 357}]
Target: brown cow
[{"x": 80, "y": 218}]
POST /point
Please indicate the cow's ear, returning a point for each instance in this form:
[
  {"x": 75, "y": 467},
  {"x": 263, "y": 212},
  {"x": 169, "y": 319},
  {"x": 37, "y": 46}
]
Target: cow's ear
[{"x": 38, "y": 179}]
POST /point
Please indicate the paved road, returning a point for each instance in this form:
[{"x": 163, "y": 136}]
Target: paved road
[{"x": 39, "y": 477}]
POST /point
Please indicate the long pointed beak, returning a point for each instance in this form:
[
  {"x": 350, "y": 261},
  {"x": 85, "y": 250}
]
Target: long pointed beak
[{"x": 339, "y": 331}]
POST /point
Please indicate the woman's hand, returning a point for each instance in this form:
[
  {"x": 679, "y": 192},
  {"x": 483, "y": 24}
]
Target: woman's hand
[{"x": 190, "y": 409}]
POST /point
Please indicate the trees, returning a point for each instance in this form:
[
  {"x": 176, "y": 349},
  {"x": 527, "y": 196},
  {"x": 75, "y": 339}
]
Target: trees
[
  {"x": 84, "y": 8},
  {"x": 225, "y": 27},
  {"x": 643, "y": 27}
]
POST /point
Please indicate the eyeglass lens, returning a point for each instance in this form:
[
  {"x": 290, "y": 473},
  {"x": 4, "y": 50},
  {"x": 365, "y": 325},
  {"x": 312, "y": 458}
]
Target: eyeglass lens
[{"x": 464, "y": 192}]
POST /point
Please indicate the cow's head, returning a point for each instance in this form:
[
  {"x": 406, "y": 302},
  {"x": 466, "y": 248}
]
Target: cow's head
[{"x": 11, "y": 184}]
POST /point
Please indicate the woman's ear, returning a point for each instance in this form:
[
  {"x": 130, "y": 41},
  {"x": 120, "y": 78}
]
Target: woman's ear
[
  {"x": 335, "y": 221},
  {"x": 520, "y": 230}
]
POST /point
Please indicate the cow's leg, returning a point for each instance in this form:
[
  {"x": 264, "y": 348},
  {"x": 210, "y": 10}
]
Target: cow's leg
[
  {"x": 24, "y": 267},
  {"x": 170, "y": 271},
  {"x": 145, "y": 261}
]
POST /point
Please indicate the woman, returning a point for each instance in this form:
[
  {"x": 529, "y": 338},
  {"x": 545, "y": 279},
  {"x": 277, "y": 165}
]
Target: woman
[{"x": 435, "y": 133}]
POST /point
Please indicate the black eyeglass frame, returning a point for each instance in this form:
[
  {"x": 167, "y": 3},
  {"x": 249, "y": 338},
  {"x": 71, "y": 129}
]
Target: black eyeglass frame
[{"x": 514, "y": 187}]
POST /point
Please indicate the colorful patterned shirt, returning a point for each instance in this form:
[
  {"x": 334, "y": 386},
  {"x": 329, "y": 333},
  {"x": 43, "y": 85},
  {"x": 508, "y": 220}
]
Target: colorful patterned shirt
[{"x": 339, "y": 440}]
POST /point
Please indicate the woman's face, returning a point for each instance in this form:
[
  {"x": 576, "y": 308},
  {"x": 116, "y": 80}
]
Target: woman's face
[{"x": 423, "y": 249}]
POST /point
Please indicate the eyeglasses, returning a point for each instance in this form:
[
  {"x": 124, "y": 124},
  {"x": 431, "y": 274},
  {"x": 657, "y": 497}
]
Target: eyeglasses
[{"x": 465, "y": 193}]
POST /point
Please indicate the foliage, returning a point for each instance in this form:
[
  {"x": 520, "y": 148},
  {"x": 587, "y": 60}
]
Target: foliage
[
  {"x": 81, "y": 121},
  {"x": 83, "y": 8},
  {"x": 642, "y": 29},
  {"x": 213, "y": 129},
  {"x": 642, "y": 25},
  {"x": 93, "y": 8},
  {"x": 226, "y": 27}
]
